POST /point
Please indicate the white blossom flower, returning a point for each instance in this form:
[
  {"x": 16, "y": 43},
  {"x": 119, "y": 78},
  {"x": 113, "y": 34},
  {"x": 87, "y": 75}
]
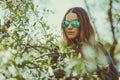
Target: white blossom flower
[{"x": 89, "y": 52}]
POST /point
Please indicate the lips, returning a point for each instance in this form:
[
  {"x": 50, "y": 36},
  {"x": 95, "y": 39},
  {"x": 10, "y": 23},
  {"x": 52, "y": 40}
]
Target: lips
[{"x": 70, "y": 33}]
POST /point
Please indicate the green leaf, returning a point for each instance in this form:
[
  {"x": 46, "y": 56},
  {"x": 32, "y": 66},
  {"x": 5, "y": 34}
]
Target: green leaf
[
  {"x": 34, "y": 24},
  {"x": 32, "y": 6},
  {"x": 19, "y": 77},
  {"x": 22, "y": 0}
]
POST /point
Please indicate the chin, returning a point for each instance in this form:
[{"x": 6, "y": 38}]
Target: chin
[{"x": 71, "y": 37}]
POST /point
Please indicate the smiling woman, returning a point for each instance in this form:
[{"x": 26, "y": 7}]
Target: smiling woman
[{"x": 79, "y": 34}]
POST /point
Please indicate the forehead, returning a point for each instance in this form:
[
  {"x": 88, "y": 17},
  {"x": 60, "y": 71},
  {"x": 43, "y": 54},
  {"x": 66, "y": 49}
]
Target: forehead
[{"x": 71, "y": 16}]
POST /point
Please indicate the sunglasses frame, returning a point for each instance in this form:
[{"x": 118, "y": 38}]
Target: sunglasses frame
[{"x": 73, "y": 23}]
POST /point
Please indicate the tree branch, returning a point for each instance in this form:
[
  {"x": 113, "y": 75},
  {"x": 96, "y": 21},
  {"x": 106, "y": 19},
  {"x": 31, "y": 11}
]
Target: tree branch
[{"x": 110, "y": 16}]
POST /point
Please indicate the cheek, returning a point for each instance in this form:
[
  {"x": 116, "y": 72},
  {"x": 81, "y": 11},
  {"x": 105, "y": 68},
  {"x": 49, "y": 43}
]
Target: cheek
[
  {"x": 65, "y": 30},
  {"x": 77, "y": 33}
]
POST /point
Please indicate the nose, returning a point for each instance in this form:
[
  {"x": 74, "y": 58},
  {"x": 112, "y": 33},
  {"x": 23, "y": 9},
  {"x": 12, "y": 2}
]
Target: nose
[{"x": 69, "y": 26}]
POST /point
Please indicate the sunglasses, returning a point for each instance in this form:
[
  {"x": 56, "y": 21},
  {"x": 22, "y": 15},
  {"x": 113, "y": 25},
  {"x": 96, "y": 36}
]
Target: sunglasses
[{"x": 74, "y": 23}]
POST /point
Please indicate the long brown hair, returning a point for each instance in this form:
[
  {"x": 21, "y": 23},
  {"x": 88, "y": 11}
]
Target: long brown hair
[{"x": 86, "y": 30}]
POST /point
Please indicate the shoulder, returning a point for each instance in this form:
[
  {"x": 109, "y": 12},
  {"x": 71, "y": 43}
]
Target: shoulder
[
  {"x": 104, "y": 50},
  {"x": 101, "y": 47}
]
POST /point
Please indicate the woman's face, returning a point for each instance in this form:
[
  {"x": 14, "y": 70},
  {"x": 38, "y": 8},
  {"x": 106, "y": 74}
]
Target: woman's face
[{"x": 71, "y": 32}]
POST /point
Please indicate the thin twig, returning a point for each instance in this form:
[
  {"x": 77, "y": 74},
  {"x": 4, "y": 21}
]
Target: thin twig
[{"x": 110, "y": 16}]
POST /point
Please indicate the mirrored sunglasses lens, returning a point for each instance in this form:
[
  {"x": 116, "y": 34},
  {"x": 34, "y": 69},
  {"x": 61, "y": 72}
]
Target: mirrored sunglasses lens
[
  {"x": 75, "y": 23},
  {"x": 65, "y": 24}
]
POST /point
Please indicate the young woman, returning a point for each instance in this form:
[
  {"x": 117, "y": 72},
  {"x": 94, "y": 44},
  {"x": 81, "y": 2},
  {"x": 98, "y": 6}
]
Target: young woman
[{"x": 78, "y": 32}]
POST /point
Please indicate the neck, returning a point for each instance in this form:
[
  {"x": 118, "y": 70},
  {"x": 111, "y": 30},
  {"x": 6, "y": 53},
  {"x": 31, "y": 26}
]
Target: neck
[
  {"x": 74, "y": 41},
  {"x": 76, "y": 46}
]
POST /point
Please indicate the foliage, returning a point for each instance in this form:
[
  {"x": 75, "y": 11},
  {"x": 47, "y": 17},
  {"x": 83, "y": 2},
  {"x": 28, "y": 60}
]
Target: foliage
[{"x": 29, "y": 52}]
